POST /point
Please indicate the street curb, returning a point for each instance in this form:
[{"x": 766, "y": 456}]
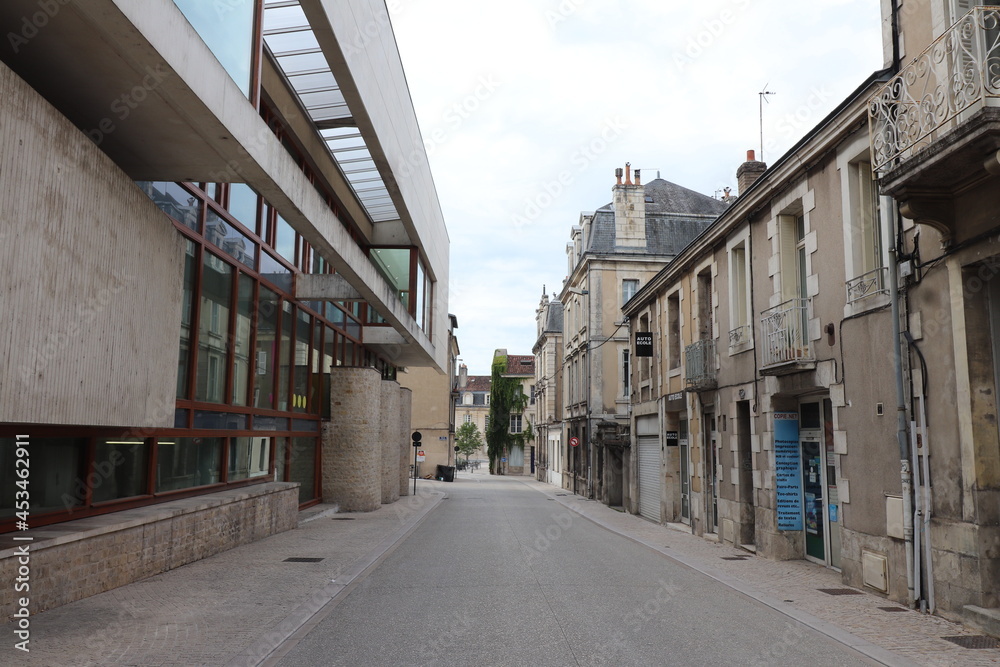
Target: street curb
[
  {"x": 274, "y": 645},
  {"x": 862, "y": 646}
]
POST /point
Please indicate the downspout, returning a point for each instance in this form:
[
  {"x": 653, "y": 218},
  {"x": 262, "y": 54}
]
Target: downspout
[{"x": 906, "y": 475}]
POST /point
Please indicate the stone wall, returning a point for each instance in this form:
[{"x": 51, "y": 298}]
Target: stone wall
[
  {"x": 352, "y": 451},
  {"x": 389, "y": 428},
  {"x": 81, "y": 558},
  {"x": 405, "y": 446}
]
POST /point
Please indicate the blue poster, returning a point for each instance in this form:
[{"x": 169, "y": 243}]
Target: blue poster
[{"x": 788, "y": 470}]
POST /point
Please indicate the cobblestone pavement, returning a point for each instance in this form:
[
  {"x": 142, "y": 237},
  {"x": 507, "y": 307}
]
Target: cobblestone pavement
[
  {"x": 230, "y": 609},
  {"x": 793, "y": 587}
]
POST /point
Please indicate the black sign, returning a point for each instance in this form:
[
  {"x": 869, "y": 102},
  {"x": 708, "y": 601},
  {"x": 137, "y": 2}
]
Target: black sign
[
  {"x": 643, "y": 344},
  {"x": 672, "y": 438}
]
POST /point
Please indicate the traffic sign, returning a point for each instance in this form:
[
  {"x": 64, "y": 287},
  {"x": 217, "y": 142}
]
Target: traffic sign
[{"x": 574, "y": 441}]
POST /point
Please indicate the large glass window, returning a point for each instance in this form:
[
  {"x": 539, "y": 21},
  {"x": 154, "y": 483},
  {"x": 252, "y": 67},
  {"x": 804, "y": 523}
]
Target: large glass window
[
  {"x": 249, "y": 457},
  {"x": 58, "y": 485},
  {"x": 300, "y": 389},
  {"x": 266, "y": 348},
  {"x": 303, "y": 467},
  {"x": 241, "y": 339},
  {"x": 175, "y": 201},
  {"x": 285, "y": 356},
  {"x": 227, "y": 28},
  {"x": 213, "y": 329},
  {"x": 120, "y": 469},
  {"x": 183, "y": 463},
  {"x": 284, "y": 240},
  {"x": 187, "y": 308},
  {"x": 275, "y": 272},
  {"x": 394, "y": 265},
  {"x": 231, "y": 241},
  {"x": 243, "y": 205}
]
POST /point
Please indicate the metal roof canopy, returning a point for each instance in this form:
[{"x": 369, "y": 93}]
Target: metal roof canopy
[{"x": 293, "y": 44}]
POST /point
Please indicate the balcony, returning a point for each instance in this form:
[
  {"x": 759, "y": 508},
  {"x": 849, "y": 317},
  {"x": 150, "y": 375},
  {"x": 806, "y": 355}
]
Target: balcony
[
  {"x": 867, "y": 285},
  {"x": 933, "y": 124},
  {"x": 785, "y": 345},
  {"x": 699, "y": 365},
  {"x": 740, "y": 336}
]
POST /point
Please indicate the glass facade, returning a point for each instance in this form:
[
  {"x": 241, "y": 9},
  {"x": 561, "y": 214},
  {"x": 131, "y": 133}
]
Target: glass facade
[{"x": 228, "y": 30}]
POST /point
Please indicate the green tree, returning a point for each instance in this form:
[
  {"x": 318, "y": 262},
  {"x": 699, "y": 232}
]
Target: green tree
[
  {"x": 468, "y": 439},
  {"x": 506, "y": 398}
]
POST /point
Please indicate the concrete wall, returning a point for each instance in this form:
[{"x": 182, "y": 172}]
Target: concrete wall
[
  {"x": 92, "y": 278},
  {"x": 90, "y": 556},
  {"x": 405, "y": 446},
  {"x": 352, "y": 448}
]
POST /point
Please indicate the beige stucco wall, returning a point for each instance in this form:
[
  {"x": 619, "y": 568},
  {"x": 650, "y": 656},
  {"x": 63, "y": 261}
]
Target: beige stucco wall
[{"x": 93, "y": 278}]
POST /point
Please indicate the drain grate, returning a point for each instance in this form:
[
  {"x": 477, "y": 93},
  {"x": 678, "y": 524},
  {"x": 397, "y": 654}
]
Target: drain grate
[
  {"x": 839, "y": 591},
  {"x": 301, "y": 559},
  {"x": 973, "y": 641},
  {"x": 562, "y": 494},
  {"x": 894, "y": 609},
  {"x": 342, "y": 518},
  {"x": 734, "y": 558}
]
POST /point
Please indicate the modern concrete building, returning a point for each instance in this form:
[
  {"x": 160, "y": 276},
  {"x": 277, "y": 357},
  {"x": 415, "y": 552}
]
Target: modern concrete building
[
  {"x": 548, "y": 390},
  {"x": 612, "y": 253},
  {"x": 238, "y": 245}
]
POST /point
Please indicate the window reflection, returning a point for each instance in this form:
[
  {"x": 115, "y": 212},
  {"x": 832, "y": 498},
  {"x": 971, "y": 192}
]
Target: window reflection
[
  {"x": 229, "y": 33},
  {"x": 249, "y": 457},
  {"x": 213, "y": 329},
  {"x": 187, "y": 307},
  {"x": 183, "y": 463},
  {"x": 286, "y": 359},
  {"x": 120, "y": 469},
  {"x": 266, "y": 349},
  {"x": 174, "y": 200},
  {"x": 243, "y": 205},
  {"x": 241, "y": 353},
  {"x": 62, "y": 485},
  {"x": 231, "y": 241}
]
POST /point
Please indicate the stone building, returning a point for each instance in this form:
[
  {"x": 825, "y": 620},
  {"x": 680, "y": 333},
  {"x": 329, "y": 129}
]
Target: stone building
[
  {"x": 612, "y": 253},
  {"x": 472, "y": 404},
  {"x": 234, "y": 244},
  {"x": 548, "y": 390}
]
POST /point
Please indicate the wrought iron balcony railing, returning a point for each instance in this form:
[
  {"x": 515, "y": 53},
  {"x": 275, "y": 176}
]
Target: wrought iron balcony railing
[
  {"x": 866, "y": 285},
  {"x": 740, "y": 335},
  {"x": 783, "y": 330},
  {"x": 699, "y": 365},
  {"x": 958, "y": 72}
]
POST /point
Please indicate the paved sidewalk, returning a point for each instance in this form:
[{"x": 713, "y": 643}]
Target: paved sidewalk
[
  {"x": 901, "y": 637},
  {"x": 233, "y": 608}
]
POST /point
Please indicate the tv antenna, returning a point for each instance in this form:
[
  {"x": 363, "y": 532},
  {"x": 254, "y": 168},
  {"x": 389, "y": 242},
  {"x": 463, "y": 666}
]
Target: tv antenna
[{"x": 762, "y": 96}]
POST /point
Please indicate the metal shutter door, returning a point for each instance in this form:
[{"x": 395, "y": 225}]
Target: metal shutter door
[{"x": 649, "y": 477}]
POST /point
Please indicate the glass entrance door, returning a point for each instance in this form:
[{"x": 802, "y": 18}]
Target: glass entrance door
[
  {"x": 812, "y": 489},
  {"x": 821, "y": 501}
]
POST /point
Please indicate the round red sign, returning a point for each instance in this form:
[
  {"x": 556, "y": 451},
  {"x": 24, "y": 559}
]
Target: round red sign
[{"x": 574, "y": 441}]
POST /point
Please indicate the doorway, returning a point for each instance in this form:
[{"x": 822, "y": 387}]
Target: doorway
[
  {"x": 685, "y": 470},
  {"x": 821, "y": 502},
  {"x": 711, "y": 472}
]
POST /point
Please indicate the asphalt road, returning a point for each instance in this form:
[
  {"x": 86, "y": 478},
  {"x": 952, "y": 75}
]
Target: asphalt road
[{"x": 500, "y": 575}]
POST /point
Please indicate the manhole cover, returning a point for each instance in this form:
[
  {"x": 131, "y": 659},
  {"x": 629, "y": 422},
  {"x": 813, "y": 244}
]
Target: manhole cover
[
  {"x": 300, "y": 559},
  {"x": 839, "y": 591},
  {"x": 894, "y": 609},
  {"x": 974, "y": 641},
  {"x": 734, "y": 558}
]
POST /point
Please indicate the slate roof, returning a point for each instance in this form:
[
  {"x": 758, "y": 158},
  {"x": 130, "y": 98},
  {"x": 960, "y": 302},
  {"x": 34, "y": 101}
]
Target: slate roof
[
  {"x": 520, "y": 364},
  {"x": 674, "y": 218},
  {"x": 554, "y": 321}
]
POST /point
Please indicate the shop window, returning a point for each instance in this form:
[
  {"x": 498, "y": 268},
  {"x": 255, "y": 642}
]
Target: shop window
[
  {"x": 249, "y": 457},
  {"x": 183, "y": 463}
]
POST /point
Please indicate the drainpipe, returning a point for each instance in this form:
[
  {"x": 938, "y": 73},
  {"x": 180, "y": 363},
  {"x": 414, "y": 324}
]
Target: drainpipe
[{"x": 906, "y": 475}]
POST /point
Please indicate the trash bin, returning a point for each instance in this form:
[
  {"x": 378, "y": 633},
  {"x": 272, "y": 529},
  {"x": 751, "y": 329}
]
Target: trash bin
[{"x": 446, "y": 473}]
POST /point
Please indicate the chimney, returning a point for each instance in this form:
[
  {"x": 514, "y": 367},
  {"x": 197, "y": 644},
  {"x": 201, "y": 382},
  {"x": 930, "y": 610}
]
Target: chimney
[
  {"x": 748, "y": 172},
  {"x": 463, "y": 376},
  {"x": 630, "y": 210}
]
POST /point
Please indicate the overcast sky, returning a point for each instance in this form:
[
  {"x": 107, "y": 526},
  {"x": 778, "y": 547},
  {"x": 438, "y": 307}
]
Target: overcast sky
[{"x": 528, "y": 106}]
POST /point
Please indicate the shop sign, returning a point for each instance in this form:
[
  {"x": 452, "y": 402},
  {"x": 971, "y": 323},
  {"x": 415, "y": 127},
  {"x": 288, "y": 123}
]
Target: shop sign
[
  {"x": 788, "y": 470},
  {"x": 643, "y": 344}
]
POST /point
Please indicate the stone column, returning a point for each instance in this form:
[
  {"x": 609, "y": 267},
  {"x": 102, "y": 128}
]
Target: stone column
[
  {"x": 389, "y": 429},
  {"x": 405, "y": 446},
  {"x": 352, "y": 451}
]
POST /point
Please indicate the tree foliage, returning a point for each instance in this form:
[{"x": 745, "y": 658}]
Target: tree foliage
[
  {"x": 468, "y": 439},
  {"x": 506, "y": 398}
]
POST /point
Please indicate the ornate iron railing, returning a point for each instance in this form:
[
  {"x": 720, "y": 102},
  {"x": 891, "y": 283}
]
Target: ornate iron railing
[
  {"x": 958, "y": 72},
  {"x": 866, "y": 285},
  {"x": 739, "y": 335},
  {"x": 783, "y": 330},
  {"x": 699, "y": 364}
]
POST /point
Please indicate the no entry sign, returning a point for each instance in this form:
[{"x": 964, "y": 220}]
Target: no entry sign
[{"x": 574, "y": 441}]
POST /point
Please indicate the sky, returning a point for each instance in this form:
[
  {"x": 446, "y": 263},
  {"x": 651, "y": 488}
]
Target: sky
[{"x": 527, "y": 107}]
